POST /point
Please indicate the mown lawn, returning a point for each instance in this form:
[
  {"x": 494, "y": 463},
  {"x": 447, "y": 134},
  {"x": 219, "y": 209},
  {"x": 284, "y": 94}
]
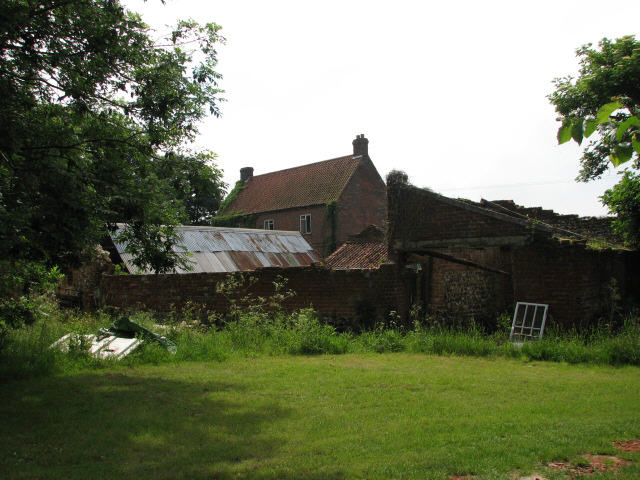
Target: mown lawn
[{"x": 324, "y": 417}]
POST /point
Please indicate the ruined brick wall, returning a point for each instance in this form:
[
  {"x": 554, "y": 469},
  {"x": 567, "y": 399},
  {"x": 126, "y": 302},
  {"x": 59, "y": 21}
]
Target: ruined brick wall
[
  {"x": 334, "y": 294},
  {"x": 590, "y": 227},
  {"x": 79, "y": 287},
  {"x": 418, "y": 215},
  {"x": 572, "y": 279}
]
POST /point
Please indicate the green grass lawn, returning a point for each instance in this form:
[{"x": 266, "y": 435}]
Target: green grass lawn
[{"x": 324, "y": 417}]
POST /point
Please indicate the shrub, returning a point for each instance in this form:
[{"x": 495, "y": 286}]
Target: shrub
[
  {"x": 381, "y": 341},
  {"x": 309, "y": 336}
]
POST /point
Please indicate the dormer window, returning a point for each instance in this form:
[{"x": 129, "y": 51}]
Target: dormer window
[
  {"x": 305, "y": 223},
  {"x": 268, "y": 224}
]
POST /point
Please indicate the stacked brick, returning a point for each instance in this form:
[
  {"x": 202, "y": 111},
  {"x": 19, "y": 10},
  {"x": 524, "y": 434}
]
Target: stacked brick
[{"x": 333, "y": 294}]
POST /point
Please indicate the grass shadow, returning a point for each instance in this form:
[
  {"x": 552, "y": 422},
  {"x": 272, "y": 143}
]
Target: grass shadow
[{"x": 122, "y": 425}]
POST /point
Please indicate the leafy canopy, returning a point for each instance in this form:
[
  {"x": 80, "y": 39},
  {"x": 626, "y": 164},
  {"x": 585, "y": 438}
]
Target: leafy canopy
[
  {"x": 604, "y": 101},
  {"x": 96, "y": 117}
]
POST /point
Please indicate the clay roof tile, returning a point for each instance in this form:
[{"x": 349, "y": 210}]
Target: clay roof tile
[{"x": 314, "y": 184}]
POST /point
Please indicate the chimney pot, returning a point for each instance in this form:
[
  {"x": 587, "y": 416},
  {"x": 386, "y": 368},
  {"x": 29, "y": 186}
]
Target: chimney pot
[
  {"x": 246, "y": 174},
  {"x": 360, "y": 145}
]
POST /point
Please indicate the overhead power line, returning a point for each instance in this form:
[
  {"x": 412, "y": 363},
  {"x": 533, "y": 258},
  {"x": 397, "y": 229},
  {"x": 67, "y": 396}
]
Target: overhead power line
[{"x": 510, "y": 185}]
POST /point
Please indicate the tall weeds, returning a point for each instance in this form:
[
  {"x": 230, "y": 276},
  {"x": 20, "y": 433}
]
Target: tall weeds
[{"x": 25, "y": 351}]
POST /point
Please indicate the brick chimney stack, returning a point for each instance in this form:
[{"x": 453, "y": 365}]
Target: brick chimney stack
[
  {"x": 246, "y": 174},
  {"x": 360, "y": 145}
]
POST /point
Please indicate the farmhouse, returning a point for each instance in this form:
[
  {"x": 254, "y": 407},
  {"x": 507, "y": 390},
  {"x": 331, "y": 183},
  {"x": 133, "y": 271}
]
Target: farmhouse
[{"x": 326, "y": 201}]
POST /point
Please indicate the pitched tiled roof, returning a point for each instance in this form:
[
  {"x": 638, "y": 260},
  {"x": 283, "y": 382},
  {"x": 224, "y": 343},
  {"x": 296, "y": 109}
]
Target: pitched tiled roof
[
  {"x": 314, "y": 184},
  {"x": 358, "y": 256}
]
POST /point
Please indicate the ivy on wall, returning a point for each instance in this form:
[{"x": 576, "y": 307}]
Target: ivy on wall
[
  {"x": 234, "y": 220},
  {"x": 332, "y": 217},
  {"x": 233, "y": 194}
]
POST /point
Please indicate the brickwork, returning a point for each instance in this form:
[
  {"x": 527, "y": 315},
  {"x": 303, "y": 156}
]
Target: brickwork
[
  {"x": 290, "y": 220},
  {"x": 573, "y": 279},
  {"x": 79, "y": 288},
  {"x": 342, "y": 294},
  {"x": 591, "y": 227},
  {"x": 420, "y": 215},
  {"x": 362, "y": 203},
  {"x": 461, "y": 289}
]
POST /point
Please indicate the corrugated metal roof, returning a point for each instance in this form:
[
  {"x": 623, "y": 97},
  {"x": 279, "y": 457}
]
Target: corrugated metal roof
[{"x": 222, "y": 249}]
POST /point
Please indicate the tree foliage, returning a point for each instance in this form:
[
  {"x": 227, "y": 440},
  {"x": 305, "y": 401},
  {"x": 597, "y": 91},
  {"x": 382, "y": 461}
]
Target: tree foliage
[
  {"x": 95, "y": 116},
  {"x": 195, "y": 182},
  {"x": 604, "y": 101},
  {"x": 624, "y": 201}
]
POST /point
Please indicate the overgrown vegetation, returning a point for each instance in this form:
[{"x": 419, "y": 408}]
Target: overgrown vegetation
[
  {"x": 234, "y": 220},
  {"x": 231, "y": 196},
  {"x": 259, "y": 326},
  {"x": 231, "y": 218}
]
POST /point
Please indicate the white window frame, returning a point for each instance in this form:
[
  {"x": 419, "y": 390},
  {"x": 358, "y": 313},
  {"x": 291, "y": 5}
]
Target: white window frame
[
  {"x": 305, "y": 223},
  {"x": 529, "y": 320},
  {"x": 269, "y": 224}
]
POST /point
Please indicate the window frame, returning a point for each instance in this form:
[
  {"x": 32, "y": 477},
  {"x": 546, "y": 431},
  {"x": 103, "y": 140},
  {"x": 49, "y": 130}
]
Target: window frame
[
  {"x": 269, "y": 224},
  {"x": 305, "y": 224}
]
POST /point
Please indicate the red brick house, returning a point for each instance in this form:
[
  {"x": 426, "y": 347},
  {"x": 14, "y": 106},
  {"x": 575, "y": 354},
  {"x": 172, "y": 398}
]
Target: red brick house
[{"x": 326, "y": 201}]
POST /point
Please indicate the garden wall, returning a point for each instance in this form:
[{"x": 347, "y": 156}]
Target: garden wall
[{"x": 355, "y": 295}]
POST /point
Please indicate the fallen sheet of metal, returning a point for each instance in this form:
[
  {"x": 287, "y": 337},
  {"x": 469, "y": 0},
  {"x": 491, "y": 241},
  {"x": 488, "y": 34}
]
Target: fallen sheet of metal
[
  {"x": 118, "y": 341},
  {"x": 99, "y": 346}
]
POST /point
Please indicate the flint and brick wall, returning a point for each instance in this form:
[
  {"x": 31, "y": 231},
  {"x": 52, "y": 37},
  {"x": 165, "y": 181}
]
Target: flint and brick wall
[
  {"x": 574, "y": 280},
  {"x": 464, "y": 291},
  {"x": 333, "y": 294}
]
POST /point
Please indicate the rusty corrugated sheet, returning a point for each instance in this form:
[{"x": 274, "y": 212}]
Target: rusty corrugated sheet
[{"x": 217, "y": 249}]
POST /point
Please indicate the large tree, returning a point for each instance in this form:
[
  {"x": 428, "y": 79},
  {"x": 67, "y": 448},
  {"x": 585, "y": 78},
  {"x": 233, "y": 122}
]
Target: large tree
[
  {"x": 605, "y": 100},
  {"x": 95, "y": 118}
]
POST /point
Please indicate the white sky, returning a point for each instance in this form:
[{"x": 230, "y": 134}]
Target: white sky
[{"x": 453, "y": 93}]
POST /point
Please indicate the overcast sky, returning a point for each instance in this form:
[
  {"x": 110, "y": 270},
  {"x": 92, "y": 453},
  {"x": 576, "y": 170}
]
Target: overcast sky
[{"x": 453, "y": 93}]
